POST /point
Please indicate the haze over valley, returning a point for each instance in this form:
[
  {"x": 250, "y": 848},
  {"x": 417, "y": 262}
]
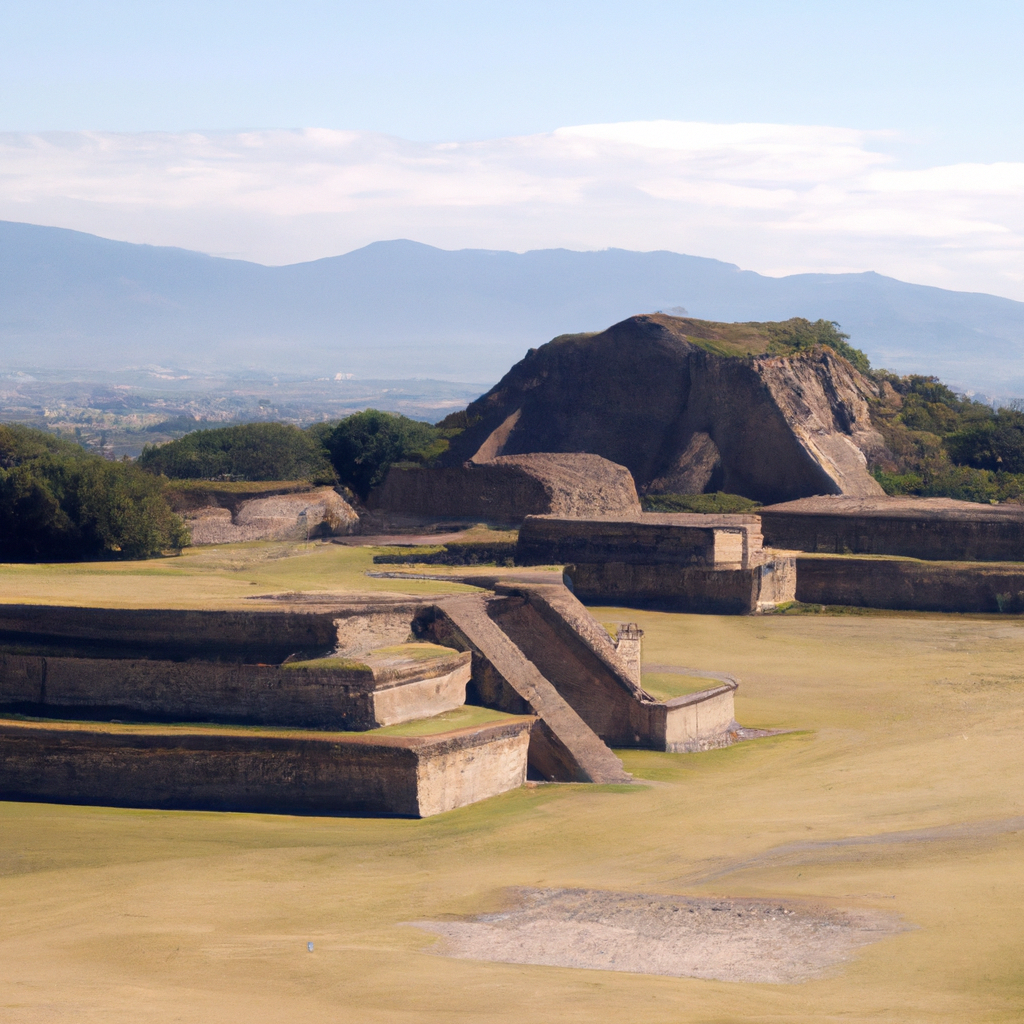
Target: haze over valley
[{"x": 75, "y": 305}]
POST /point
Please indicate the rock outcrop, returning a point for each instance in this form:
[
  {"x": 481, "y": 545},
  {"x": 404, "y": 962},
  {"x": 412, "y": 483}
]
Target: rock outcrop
[
  {"x": 654, "y": 395},
  {"x": 316, "y": 513},
  {"x": 507, "y": 488}
]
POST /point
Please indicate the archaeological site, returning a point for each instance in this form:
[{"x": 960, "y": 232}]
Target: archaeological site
[{"x": 335, "y": 703}]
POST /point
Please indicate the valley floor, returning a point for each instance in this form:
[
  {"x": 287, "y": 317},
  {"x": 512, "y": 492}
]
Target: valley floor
[{"x": 897, "y": 792}]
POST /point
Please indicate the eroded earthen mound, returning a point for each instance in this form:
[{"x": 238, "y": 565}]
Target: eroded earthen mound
[{"x": 683, "y": 418}]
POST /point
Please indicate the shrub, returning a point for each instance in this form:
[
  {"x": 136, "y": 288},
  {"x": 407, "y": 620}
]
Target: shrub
[
  {"x": 947, "y": 445},
  {"x": 788, "y": 337}
]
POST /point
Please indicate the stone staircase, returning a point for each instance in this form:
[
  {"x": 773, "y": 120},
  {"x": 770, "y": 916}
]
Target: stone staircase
[{"x": 562, "y": 746}]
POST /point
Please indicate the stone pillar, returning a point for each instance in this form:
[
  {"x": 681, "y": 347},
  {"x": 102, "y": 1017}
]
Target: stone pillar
[{"x": 628, "y": 646}]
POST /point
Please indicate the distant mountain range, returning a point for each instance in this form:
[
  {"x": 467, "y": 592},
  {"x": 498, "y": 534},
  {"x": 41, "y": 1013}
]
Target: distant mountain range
[{"x": 400, "y": 309}]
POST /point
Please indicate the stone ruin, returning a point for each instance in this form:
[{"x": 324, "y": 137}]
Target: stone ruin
[
  {"x": 896, "y": 553},
  {"x": 299, "y": 707},
  {"x": 504, "y": 490},
  {"x": 686, "y": 562},
  {"x": 215, "y": 518}
]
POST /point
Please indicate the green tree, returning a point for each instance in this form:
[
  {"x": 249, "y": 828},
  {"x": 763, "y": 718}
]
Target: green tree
[
  {"x": 60, "y": 503},
  {"x": 365, "y": 445}
]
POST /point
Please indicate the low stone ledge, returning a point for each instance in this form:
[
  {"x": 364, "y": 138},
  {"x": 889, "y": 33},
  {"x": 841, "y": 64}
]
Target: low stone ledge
[
  {"x": 264, "y": 772},
  {"x": 904, "y": 584},
  {"x": 696, "y": 721}
]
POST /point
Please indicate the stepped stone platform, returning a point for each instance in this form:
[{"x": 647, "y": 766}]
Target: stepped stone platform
[
  {"x": 265, "y": 771},
  {"x": 685, "y": 562},
  {"x": 938, "y": 529},
  {"x": 386, "y": 687},
  {"x": 180, "y": 709}
]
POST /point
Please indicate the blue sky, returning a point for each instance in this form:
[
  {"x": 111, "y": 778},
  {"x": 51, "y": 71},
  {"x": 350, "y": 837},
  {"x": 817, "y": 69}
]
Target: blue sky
[
  {"x": 950, "y": 76},
  {"x": 780, "y": 136}
]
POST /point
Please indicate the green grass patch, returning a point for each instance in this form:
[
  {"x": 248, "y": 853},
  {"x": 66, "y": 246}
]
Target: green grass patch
[
  {"x": 719, "y": 503},
  {"x": 327, "y": 665},
  {"x": 666, "y": 685},
  {"x": 465, "y": 717},
  {"x": 415, "y": 651}
]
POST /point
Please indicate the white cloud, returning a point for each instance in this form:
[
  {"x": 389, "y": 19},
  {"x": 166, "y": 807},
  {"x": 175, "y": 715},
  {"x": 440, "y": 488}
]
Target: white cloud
[{"x": 773, "y": 198}]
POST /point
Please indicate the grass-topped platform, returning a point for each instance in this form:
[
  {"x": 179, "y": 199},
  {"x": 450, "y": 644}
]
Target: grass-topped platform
[{"x": 446, "y": 762}]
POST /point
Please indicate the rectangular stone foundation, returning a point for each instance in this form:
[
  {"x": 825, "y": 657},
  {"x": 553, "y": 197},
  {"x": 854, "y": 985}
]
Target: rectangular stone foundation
[
  {"x": 685, "y": 589},
  {"x": 728, "y": 541},
  {"x": 306, "y": 773}
]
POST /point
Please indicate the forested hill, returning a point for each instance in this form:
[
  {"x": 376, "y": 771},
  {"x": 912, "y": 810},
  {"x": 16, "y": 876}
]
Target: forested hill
[{"x": 401, "y": 309}]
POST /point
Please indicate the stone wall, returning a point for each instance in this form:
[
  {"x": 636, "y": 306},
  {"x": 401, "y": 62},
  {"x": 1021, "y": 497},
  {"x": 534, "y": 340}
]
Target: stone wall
[
  {"x": 310, "y": 773},
  {"x": 938, "y": 529},
  {"x": 698, "y": 721},
  {"x": 686, "y": 589},
  {"x": 681, "y": 539},
  {"x": 907, "y": 584},
  {"x": 196, "y": 691},
  {"x": 506, "y": 490},
  {"x": 256, "y": 636},
  {"x": 263, "y": 635}
]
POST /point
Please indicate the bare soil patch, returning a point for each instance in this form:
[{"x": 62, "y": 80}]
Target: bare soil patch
[{"x": 726, "y": 939}]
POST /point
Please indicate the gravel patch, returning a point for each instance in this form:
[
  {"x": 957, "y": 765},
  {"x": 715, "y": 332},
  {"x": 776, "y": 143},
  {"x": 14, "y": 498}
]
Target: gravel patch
[{"x": 726, "y": 939}]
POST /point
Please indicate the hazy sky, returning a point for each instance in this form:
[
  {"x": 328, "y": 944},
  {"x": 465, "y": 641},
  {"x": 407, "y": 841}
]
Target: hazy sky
[{"x": 827, "y": 135}]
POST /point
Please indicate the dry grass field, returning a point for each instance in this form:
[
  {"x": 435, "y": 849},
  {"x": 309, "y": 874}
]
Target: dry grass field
[{"x": 899, "y": 790}]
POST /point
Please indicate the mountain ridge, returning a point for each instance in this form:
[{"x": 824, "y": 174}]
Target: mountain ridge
[{"x": 402, "y": 308}]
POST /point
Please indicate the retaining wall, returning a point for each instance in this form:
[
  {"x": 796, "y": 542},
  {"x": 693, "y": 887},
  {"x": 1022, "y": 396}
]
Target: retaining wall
[
  {"x": 906, "y": 584},
  {"x": 698, "y": 721},
  {"x": 678, "y": 539},
  {"x": 235, "y": 692},
  {"x": 939, "y": 529},
  {"x": 264, "y": 635},
  {"x": 261, "y": 772},
  {"x": 684, "y": 588}
]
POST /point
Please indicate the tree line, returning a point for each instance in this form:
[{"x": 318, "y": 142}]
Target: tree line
[{"x": 59, "y": 503}]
